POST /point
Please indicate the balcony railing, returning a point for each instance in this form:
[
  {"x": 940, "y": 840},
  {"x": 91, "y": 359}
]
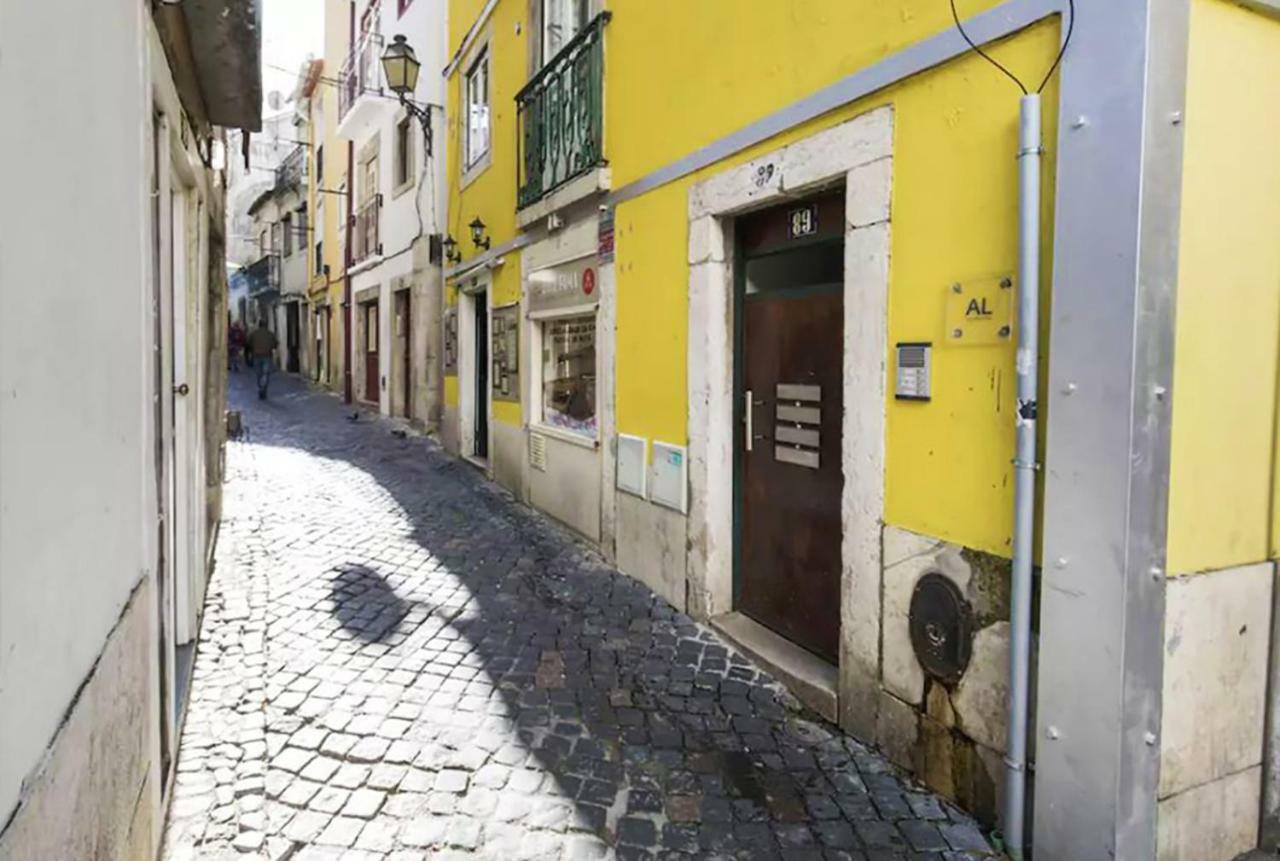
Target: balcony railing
[
  {"x": 263, "y": 274},
  {"x": 293, "y": 168},
  {"x": 365, "y": 241},
  {"x": 559, "y": 116},
  {"x": 361, "y": 73}
]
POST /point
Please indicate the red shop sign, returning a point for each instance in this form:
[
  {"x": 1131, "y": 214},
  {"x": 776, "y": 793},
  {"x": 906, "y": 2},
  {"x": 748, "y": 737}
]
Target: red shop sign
[{"x": 588, "y": 281}]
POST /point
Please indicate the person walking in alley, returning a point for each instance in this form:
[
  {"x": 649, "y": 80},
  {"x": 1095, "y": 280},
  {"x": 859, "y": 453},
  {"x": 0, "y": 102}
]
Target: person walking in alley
[
  {"x": 262, "y": 344},
  {"x": 235, "y": 346}
]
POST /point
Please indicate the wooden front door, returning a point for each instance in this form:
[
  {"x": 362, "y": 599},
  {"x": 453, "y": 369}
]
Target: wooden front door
[
  {"x": 790, "y": 388},
  {"x": 371, "y": 388}
]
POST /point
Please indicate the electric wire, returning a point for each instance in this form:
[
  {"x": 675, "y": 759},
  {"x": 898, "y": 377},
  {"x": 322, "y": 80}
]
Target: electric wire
[
  {"x": 1071, "y": 25},
  {"x": 428, "y": 168}
]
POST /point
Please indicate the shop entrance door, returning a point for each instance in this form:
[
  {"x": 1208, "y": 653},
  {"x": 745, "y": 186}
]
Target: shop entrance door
[
  {"x": 481, "y": 445},
  {"x": 790, "y": 302}
]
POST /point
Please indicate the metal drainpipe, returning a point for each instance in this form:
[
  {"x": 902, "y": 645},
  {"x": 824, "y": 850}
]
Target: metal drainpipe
[
  {"x": 1025, "y": 466},
  {"x": 347, "y": 311}
]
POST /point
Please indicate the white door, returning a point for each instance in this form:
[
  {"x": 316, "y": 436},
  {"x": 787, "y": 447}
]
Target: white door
[
  {"x": 163, "y": 381},
  {"x": 184, "y": 398},
  {"x": 474, "y": 395}
]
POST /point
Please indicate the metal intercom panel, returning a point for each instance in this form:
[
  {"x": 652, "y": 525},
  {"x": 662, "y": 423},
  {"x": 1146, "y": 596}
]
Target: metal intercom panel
[{"x": 915, "y": 372}]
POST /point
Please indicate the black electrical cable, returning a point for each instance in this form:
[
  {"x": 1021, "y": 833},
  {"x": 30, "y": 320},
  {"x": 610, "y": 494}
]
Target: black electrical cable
[
  {"x": 1071, "y": 26},
  {"x": 1071, "y": 4},
  {"x": 955, "y": 16}
]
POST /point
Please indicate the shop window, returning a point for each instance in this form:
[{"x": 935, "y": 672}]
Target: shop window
[
  {"x": 478, "y": 110},
  {"x": 569, "y": 373}
]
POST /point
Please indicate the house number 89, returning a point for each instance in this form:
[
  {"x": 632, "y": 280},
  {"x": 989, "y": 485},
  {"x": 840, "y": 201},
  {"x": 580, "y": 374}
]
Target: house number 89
[{"x": 804, "y": 221}]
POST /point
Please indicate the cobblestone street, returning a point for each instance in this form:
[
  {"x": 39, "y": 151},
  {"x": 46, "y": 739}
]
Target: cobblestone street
[{"x": 398, "y": 661}]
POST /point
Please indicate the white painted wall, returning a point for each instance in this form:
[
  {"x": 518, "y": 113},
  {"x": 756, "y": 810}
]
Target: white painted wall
[
  {"x": 76, "y": 479},
  {"x": 78, "y": 434},
  {"x": 423, "y": 25}
]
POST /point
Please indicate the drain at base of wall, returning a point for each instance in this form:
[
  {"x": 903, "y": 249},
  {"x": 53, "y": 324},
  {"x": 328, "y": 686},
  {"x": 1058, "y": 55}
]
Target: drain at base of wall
[{"x": 941, "y": 626}]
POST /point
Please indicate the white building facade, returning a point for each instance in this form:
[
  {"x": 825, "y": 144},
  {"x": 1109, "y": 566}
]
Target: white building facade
[
  {"x": 397, "y": 206},
  {"x": 109, "y": 451}
]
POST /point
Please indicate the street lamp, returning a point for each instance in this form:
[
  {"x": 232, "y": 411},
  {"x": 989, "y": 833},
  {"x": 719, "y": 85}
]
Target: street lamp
[
  {"x": 400, "y": 66},
  {"x": 451, "y": 252},
  {"x": 477, "y": 234}
]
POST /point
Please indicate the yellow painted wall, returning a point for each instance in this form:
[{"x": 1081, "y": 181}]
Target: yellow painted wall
[
  {"x": 948, "y": 469},
  {"x": 336, "y": 35},
  {"x": 1222, "y": 479},
  {"x": 490, "y": 194}
]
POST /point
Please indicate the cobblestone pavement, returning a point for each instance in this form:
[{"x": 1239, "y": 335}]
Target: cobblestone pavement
[{"x": 400, "y": 662}]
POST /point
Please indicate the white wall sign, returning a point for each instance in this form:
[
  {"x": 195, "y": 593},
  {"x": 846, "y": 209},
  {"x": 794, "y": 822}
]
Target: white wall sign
[{"x": 571, "y": 285}]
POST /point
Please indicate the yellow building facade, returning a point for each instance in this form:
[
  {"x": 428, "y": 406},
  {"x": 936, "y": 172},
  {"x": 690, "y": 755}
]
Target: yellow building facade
[
  {"x": 328, "y": 203},
  {"x": 834, "y": 187}
]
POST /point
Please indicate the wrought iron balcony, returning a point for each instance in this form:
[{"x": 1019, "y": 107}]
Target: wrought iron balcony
[
  {"x": 263, "y": 274},
  {"x": 365, "y": 240},
  {"x": 560, "y": 116},
  {"x": 293, "y": 168},
  {"x": 361, "y": 73}
]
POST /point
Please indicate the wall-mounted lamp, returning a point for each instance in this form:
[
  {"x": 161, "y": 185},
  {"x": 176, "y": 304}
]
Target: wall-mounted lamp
[
  {"x": 400, "y": 66},
  {"x": 451, "y": 252},
  {"x": 477, "y": 234}
]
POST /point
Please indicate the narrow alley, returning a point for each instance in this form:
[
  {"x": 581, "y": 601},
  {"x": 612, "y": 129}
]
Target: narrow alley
[{"x": 398, "y": 661}]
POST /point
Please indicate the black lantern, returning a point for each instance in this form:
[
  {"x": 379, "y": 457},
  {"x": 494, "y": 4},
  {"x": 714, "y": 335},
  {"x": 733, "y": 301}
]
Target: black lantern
[
  {"x": 451, "y": 252},
  {"x": 401, "y": 67},
  {"x": 477, "y": 234}
]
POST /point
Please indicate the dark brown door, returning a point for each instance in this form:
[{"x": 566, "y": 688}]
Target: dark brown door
[
  {"x": 481, "y": 444},
  {"x": 406, "y": 342},
  {"x": 790, "y": 389},
  {"x": 292, "y": 338},
  {"x": 371, "y": 388}
]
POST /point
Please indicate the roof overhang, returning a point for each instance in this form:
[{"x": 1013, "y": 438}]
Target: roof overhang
[{"x": 214, "y": 49}]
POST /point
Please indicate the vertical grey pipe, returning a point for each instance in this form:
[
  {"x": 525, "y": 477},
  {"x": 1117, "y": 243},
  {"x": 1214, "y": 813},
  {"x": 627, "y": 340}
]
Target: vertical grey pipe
[{"x": 1025, "y": 465}]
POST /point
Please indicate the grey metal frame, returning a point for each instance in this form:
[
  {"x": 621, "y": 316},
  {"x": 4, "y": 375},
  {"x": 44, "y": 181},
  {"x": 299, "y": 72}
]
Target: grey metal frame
[{"x": 1107, "y": 460}]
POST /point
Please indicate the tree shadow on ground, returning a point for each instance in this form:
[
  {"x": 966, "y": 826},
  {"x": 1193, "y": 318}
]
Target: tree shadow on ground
[
  {"x": 365, "y": 604},
  {"x": 528, "y": 651}
]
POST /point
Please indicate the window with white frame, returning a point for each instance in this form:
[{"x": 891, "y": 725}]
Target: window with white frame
[
  {"x": 344, "y": 218},
  {"x": 569, "y": 373},
  {"x": 477, "y": 131},
  {"x": 403, "y": 169},
  {"x": 561, "y": 21},
  {"x": 302, "y": 227}
]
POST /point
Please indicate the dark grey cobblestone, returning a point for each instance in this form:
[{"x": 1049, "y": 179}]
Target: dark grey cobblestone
[{"x": 399, "y": 662}]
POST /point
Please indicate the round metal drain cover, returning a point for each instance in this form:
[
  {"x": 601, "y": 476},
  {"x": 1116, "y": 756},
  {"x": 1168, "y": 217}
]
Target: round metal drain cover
[{"x": 941, "y": 628}]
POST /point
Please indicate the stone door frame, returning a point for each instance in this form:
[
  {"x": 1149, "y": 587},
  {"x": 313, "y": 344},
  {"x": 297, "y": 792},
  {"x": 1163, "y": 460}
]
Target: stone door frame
[{"x": 859, "y": 153}]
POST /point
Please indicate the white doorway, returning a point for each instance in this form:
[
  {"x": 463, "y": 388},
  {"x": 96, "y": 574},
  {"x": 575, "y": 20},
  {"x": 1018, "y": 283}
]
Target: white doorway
[{"x": 474, "y": 395}]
